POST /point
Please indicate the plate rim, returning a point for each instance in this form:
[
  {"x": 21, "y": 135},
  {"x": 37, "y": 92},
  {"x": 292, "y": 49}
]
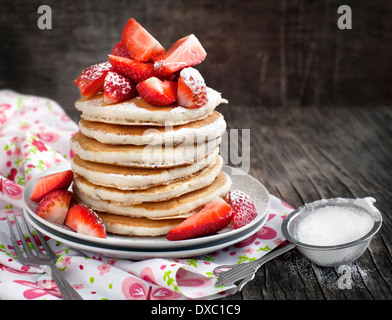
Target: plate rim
[
  {"x": 124, "y": 241},
  {"x": 142, "y": 253}
]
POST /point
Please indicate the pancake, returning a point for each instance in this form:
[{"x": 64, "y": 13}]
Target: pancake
[
  {"x": 140, "y": 156},
  {"x": 159, "y": 193},
  {"x": 129, "y": 178},
  {"x": 136, "y": 111},
  {"x": 206, "y": 129},
  {"x": 139, "y": 227},
  {"x": 178, "y": 207}
]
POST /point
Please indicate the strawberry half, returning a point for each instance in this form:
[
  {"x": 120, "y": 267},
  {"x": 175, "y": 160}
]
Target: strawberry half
[
  {"x": 47, "y": 184},
  {"x": 85, "y": 221},
  {"x": 244, "y": 210},
  {"x": 120, "y": 51},
  {"x": 117, "y": 88},
  {"x": 215, "y": 216},
  {"x": 54, "y": 206},
  {"x": 136, "y": 70},
  {"x": 140, "y": 44},
  {"x": 192, "y": 90},
  {"x": 91, "y": 80},
  {"x": 157, "y": 92},
  {"x": 185, "y": 52}
]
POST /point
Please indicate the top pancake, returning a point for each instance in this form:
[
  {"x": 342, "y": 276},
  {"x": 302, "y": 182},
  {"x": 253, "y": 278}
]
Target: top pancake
[{"x": 136, "y": 111}]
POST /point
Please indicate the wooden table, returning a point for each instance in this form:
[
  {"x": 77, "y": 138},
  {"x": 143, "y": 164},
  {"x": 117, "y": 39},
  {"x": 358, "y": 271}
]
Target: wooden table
[{"x": 305, "y": 154}]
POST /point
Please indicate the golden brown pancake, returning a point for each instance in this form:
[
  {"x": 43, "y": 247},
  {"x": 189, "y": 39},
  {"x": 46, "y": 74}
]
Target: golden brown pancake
[
  {"x": 199, "y": 131},
  {"x": 154, "y": 194},
  {"x": 140, "y": 156},
  {"x": 177, "y": 207}
]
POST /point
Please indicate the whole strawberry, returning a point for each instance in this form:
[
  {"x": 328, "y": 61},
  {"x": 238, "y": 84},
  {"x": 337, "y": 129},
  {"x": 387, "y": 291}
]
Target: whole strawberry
[{"x": 244, "y": 210}]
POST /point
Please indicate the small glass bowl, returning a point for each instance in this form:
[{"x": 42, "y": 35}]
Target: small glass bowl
[{"x": 332, "y": 255}]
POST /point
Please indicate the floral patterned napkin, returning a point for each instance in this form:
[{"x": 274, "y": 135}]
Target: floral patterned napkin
[{"x": 34, "y": 136}]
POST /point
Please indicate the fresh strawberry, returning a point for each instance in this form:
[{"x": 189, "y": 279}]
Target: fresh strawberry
[
  {"x": 117, "y": 88},
  {"x": 185, "y": 52},
  {"x": 90, "y": 81},
  {"x": 157, "y": 92},
  {"x": 136, "y": 70},
  {"x": 85, "y": 221},
  {"x": 140, "y": 44},
  {"x": 192, "y": 90},
  {"x": 244, "y": 210},
  {"x": 215, "y": 216},
  {"x": 47, "y": 184},
  {"x": 54, "y": 206},
  {"x": 120, "y": 51}
]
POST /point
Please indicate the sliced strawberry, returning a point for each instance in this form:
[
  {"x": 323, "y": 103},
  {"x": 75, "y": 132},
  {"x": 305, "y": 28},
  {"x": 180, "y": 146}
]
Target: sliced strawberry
[
  {"x": 84, "y": 220},
  {"x": 136, "y": 70},
  {"x": 54, "y": 206},
  {"x": 47, "y": 184},
  {"x": 120, "y": 51},
  {"x": 192, "y": 90},
  {"x": 215, "y": 216},
  {"x": 185, "y": 52},
  {"x": 140, "y": 44},
  {"x": 244, "y": 210},
  {"x": 157, "y": 92},
  {"x": 117, "y": 88},
  {"x": 90, "y": 81}
]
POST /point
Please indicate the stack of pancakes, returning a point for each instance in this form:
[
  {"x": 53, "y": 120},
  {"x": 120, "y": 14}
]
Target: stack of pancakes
[{"x": 145, "y": 168}]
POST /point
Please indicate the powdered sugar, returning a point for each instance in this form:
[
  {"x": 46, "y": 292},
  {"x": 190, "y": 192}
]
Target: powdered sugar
[
  {"x": 343, "y": 277},
  {"x": 118, "y": 87},
  {"x": 96, "y": 71},
  {"x": 333, "y": 225},
  {"x": 192, "y": 90}
]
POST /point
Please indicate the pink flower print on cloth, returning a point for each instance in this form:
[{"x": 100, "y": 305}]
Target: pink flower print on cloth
[
  {"x": 39, "y": 288},
  {"x": 136, "y": 289},
  {"x": 3, "y": 116}
]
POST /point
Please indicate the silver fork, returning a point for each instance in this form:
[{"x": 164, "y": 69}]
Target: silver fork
[
  {"x": 245, "y": 271},
  {"x": 40, "y": 258}
]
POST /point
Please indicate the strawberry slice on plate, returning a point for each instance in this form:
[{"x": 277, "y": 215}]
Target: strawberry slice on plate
[
  {"x": 120, "y": 51},
  {"x": 85, "y": 221},
  {"x": 157, "y": 92},
  {"x": 215, "y": 216},
  {"x": 91, "y": 80},
  {"x": 244, "y": 210},
  {"x": 117, "y": 88},
  {"x": 140, "y": 44},
  {"x": 192, "y": 90},
  {"x": 54, "y": 206},
  {"x": 47, "y": 184},
  {"x": 185, "y": 52},
  {"x": 135, "y": 70}
]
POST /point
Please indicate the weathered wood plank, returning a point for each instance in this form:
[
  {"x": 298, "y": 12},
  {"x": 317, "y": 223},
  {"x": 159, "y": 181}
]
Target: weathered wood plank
[{"x": 303, "y": 155}]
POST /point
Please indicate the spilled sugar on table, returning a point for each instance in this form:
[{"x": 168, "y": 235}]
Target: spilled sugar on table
[{"x": 302, "y": 154}]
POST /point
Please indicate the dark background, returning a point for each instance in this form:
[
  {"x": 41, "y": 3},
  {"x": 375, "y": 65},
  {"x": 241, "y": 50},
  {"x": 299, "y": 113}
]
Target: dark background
[{"x": 260, "y": 52}]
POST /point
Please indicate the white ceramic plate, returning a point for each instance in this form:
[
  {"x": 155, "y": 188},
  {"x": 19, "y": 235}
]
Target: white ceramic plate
[
  {"x": 241, "y": 181},
  {"x": 120, "y": 252}
]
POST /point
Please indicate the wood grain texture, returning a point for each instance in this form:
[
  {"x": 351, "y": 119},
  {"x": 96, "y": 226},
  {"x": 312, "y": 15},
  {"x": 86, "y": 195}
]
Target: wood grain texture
[
  {"x": 303, "y": 154},
  {"x": 259, "y": 52}
]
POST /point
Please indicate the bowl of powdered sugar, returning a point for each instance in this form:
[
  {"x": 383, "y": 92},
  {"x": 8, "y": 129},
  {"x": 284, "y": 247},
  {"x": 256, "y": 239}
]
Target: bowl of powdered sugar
[{"x": 332, "y": 232}]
